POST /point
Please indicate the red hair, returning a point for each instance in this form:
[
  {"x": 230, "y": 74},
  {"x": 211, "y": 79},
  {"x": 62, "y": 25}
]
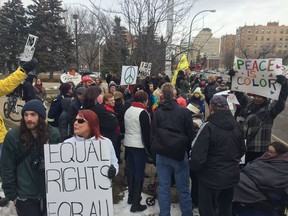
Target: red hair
[{"x": 93, "y": 121}]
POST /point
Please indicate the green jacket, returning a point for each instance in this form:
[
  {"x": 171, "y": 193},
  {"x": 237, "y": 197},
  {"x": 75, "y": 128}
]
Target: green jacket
[{"x": 22, "y": 181}]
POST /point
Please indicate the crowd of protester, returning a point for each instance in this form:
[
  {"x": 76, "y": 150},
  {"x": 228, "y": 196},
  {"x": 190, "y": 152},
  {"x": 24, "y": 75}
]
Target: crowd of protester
[{"x": 149, "y": 119}]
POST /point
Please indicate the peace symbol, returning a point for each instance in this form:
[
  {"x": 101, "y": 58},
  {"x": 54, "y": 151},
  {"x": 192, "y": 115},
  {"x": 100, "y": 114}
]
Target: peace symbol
[{"x": 129, "y": 75}]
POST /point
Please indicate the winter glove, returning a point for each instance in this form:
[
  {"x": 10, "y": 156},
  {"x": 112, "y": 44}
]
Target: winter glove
[
  {"x": 281, "y": 79},
  {"x": 30, "y": 65},
  {"x": 111, "y": 172},
  {"x": 231, "y": 72}
]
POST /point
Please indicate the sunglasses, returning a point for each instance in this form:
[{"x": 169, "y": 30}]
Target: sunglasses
[{"x": 80, "y": 120}]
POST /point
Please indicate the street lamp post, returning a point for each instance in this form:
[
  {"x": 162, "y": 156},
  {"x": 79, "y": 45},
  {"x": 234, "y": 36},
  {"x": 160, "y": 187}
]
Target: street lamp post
[
  {"x": 189, "y": 42},
  {"x": 75, "y": 17}
]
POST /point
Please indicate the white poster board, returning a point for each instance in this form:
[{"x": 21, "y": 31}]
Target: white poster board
[
  {"x": 129, "y": 75},
  {"x": 29, "y": 49},
  {"x": 285, "y": 71},
  {"x": 67, "y": 77},
  {"x": 257, "y": 76},
  {"x": 144, "y": 69},
  {"x": 76, "y": 179}
]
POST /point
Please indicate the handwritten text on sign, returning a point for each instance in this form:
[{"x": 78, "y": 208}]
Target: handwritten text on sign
[
  {"x": 257, "y": 76},
  {"x": 144, "y": 69},
  {"x": 76, "y": 179}
]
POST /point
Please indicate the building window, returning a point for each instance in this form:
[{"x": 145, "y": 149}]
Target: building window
[
  {"x": 248, "y": 45},
  {"x": 286, "y": 45},
  {"x": 268, "y": 38},
  {"x": 286, "y": 31},
  {"x": 262, "y": 31},
  {"x": 248, "y": 38},
  {"x": 268, "y": 31},
  {"x": 281, "y": 31},
  {"x": 262, "y": 38},
  {"x": 268, "y": 45},
  {"x": 286, "y": 39},
  {"x": 275, "y": 31},
  {"x": 255, "y": 45},
  {"x": 280, "y": 39},
  {"x": 256, "y": 31},
  {"x": 280, "y": 45},
  {"x": 249, "y": 31},
  {"x": 256, "y": 38},
  {"x": 255, "y": 51},
  {"x": 261, "y": 45}
]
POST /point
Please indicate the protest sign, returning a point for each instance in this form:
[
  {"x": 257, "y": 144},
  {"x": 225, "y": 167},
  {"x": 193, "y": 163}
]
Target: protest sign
[
  {"x": 257, "y": 76},
  {"x": 29, "y": 49},
  {"x": 71, "y": 77},
  {"x": 76, "y": 179},
  {"x": 129, "y": 75},
  {"x": 285, "y": 71},
  {"x": 144, "y": 69}
]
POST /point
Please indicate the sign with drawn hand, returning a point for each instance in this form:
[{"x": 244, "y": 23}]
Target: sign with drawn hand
[
  {"x": 29, "y": 49},
  {"x": 129, "y": 75},
  {"x": 257, "y": 76},
  {"x": 76, "y": 178},
  {"x": 144, "y": 69}
]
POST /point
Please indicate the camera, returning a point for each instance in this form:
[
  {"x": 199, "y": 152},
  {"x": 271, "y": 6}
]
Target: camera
[{"x": 38, "y": 163}]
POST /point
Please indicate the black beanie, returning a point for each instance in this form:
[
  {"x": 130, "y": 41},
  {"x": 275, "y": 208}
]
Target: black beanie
[{"x": 36, "y": 106}]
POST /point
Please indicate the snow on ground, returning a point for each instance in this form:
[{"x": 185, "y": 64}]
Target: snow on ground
[{"x": 120, "y": 209}]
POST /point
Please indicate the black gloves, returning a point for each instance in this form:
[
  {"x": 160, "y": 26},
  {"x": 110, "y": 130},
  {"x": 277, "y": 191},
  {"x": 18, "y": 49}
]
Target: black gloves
[
  {"x": 111, "y": 172},
  {"x": 231, "y": 72},
  {"x": 30, "y": 65},
  {"x": 281, "y": 79}
]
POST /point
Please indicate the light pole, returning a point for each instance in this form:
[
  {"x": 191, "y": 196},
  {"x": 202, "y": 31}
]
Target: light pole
[
  {"x": 189, "y": 42},
  {"x": 75, "y": 17}
]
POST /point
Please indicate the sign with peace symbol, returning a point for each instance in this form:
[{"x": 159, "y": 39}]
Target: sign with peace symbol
[{"x": 129, "y": 75}]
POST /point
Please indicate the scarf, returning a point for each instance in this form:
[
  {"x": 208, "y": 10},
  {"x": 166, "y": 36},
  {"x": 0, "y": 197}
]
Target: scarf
[
  {"x": 139, "y": 105},
  {"x": 39, "y": 87}
]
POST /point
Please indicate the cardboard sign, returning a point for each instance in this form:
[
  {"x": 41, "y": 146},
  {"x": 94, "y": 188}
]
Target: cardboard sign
[
  {"x": 285, "y": 71},
  {"x": 144, "y": 69},
  {"x": 68, "y": 77},
  {"x": 257, "y": 76},
  {"x": 129, "y": 75},
  {"x": 29, "y": 49},
  {"x": 76, "y": 179}
]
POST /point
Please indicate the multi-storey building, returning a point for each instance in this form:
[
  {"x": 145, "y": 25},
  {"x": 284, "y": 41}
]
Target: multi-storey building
[
  {"x": 227, "y": 49},
  {"x": 260, "y": 41},
  {"x": 205, "y": 44}
]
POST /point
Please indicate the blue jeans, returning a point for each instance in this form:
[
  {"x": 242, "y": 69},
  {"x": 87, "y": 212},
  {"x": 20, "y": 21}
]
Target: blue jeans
[{"x": 165, "y": 167}]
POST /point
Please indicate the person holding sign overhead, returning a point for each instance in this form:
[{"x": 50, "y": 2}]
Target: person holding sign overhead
[
  {"x": 259, "y": 114},
  {"x": 86, "y": 127}
]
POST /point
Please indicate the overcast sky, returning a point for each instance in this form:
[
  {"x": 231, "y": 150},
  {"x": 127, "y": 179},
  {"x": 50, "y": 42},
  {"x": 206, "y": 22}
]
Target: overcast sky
[{"x": 229, "y": 15}]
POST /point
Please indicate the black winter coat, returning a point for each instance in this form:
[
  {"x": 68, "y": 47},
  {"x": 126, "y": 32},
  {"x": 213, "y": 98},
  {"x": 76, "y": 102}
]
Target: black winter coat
[
  {"x": 171, "y": 115},
  {"x": 217, "y": 150}
]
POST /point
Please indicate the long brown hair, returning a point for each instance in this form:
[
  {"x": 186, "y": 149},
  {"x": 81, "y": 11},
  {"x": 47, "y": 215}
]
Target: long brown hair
[
  {"x": 93, "y": 121},
  {"x": 27, "y": 139}
]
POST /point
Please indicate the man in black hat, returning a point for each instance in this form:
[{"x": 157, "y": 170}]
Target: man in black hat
[
  {"x": 22, "y": 161},
  {"x": 215, "y": 156}
]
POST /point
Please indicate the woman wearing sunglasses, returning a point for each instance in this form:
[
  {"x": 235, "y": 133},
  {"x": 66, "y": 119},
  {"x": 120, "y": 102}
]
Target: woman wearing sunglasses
[{"x": 86, "y": 127}]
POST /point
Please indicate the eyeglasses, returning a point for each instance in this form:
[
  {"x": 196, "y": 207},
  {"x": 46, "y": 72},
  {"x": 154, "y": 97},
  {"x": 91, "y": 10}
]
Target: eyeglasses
[{"x": 80, "y": 120}]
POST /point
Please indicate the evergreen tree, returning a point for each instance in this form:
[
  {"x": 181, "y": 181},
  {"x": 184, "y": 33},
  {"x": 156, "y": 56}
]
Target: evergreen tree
[
  {"x": 54, "y": 48},
  {"x": 149, "y": 49},
  {"x": 13, "y": 33},
  {"x": 116, "y": 53}
]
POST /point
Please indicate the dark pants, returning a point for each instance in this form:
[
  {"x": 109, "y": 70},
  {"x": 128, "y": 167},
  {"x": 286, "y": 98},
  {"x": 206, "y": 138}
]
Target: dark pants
[
  {"x": 194, "y": 189},
  {"x": 136, "y": 161},
  {"x": 250, "y": 156},
  {"x": 35, "y": 207},
  {"x": 214, "y": 202}
]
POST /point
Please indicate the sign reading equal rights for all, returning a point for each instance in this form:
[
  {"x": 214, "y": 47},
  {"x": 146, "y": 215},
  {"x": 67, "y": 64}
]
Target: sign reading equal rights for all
[
  {"x": 76, "y": 179},
  {"x": 257, "y": 76}
]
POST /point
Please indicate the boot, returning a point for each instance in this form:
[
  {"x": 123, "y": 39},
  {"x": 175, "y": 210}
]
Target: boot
[
  {"x": 130, "y": 181},
  {"x": 136, "y": 206}
]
